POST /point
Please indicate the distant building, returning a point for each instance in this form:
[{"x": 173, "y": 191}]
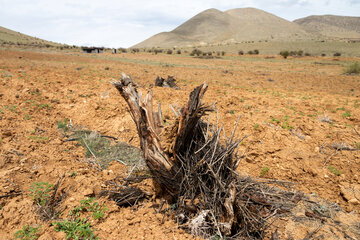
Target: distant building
[
  {"x": 114, "y": 50},
  {"x": 92, "y": 49}
]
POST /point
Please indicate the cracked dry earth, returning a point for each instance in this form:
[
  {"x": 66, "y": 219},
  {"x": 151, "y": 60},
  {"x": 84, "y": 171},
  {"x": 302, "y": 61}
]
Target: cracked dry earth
[{"x": 302, "y": 120}]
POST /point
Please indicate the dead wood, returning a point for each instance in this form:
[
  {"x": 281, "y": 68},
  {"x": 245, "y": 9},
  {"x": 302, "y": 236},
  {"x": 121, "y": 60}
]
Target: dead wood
[
  {"x": 127, "y": 196},
  {"x": 198, "y": 171},
  {"x": 169, "y": 82}
]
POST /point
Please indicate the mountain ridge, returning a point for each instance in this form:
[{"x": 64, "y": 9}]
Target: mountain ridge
[{"x": 213, "y": 26}]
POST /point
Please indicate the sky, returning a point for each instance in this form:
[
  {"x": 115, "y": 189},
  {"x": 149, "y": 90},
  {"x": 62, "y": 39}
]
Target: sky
[{"x": 124, "y": 23}]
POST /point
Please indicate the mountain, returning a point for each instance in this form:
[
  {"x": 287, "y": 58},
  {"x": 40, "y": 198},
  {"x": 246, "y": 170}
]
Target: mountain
[
  {"x": 242, "y": 24},
  {"x": 332, "y": 26},
  {"x": 10, "y": 37}
]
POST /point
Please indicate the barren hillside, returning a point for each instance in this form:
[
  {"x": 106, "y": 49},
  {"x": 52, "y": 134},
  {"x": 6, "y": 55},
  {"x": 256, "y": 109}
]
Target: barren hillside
[
  {"x": 213, "y": 26},
  {"x": 10, "y": 37},
  {"x": 332, "y": 26}
]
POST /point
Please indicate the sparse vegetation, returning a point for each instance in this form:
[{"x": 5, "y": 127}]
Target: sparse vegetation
[
  {"x": 39, "y": 191},
  {"x": 253, "y": 52},
  {"x": 353, "y": 68},
  {"x": 77, "y": 229},
  {"x": 196, "y": 52},
  {"x": 334, "y": 171},
  {"x": 284, "y": 54},
  {"x": 122, "y": 50},
  {"x": 28, "y": 233},
  {"x": 88, "y": 205},
  {"x": 264, "y": 170}
]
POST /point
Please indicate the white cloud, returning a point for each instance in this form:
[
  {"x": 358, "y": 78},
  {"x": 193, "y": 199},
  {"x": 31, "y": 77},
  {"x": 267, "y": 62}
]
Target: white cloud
[{"x": 124, "y": 23}]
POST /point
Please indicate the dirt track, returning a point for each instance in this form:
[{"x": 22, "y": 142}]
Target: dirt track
[{"x": 281, "y": 103}]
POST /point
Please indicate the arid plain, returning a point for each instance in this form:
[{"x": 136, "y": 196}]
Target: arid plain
[{"x": 301, "y": 116}]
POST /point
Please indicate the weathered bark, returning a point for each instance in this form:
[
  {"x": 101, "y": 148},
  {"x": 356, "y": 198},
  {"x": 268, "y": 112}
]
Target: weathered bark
[{"x": 149, "y": 126}]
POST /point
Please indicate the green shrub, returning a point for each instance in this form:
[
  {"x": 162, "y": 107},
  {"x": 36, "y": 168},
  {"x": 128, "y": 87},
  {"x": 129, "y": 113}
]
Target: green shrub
[
  {"x": 27, "y": 233},
  {"x": 256, "y": 51},
  {"x": 353, "y": 68},
  {"x": 40, "y": 192},
  {"x": 77, "y": 229},
  {"x": 88, "y": 205},
  {"x": 169, "y": 51},
  {"x": 337, "y": 54},
  {"x": 241, "y": 52},
  {"x": 284, "y": 54},
  {"x": 63, "y": 124},
  {"x": 334, "y": 171},
  {"x": 264, "y": 170},
  {"x": 196, "y": 52}
]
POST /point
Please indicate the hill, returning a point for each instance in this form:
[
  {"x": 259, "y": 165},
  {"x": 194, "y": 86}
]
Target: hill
[
  {"x": 213, "y": 26},
  {"x": 10, "y": 37},
  {"x": 331, "y": 26}
]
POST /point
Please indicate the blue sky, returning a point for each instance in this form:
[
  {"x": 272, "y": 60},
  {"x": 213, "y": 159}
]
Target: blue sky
[{"x": 124, "y": 23}]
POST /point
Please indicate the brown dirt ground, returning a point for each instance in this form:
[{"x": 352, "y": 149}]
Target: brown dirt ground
[{"x": 280, "y": 103}]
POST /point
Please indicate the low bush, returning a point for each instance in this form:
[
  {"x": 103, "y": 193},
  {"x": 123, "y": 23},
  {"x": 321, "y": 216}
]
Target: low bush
[
  {"x": 77, "y": 229},
  {"x": 196, "y": 52},
  {"x": 27, "y": 233},
  {"x": 284, "y": 54},
  {"x": 353, "y": 68}
]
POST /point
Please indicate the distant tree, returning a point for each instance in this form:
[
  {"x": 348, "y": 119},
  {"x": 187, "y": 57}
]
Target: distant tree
[
  {"x": 284, "y": 54},
  {"x": 196, "y": 52}
]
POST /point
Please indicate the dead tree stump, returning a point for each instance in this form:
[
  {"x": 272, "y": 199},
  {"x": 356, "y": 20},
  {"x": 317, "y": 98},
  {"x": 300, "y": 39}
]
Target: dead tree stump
[{"x": 197, "y": 170}]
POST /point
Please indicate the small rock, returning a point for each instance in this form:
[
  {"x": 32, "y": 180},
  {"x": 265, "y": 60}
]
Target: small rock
[
  {"x": 97, "y": 189},
  {"x": 71, "y": 199},
  {"x": 354, "y": 201},
  {"x": 88, "y": 192},
  {"x": 317, "y": 149}
]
